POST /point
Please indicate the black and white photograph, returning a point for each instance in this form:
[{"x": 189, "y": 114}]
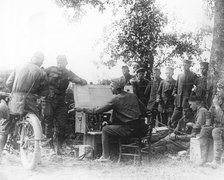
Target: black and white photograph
[{"x": 111, "y": 89}]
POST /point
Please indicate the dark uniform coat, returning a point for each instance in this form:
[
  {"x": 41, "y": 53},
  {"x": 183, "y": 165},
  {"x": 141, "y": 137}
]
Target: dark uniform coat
[
  {"x": 139, "y": 88},
  {"x": 183, "y": 88},
  {"x": 165, "y": 96},
  {"x": 153, "y": 89}
]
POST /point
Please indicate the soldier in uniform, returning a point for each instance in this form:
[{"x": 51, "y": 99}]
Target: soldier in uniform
[
  {"x": 180, "y": 139},
  {"x": 56, "y": 108},
  {"x": 139, "y": 86},
  {"x": 165, "y": 97},
  {"x": 126, "y": 75},
  {"x": 214, "y": 128},
  {"x": 25, "y": 79},
  {"x": 126, "y": 112},
  {"x": 200, "y": 89},
  {"x": 153, "y": 89},
  {"x": 182, "y": 91}
]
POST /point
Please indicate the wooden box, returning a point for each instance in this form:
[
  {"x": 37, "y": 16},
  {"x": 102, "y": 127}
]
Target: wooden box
[
  {"x": 90, "y": 96},
  {"x": 195, "y": 150},
  {"x": 93, "y": 95}
]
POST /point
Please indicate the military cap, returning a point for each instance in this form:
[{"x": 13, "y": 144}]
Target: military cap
[
  {"x": 119, "y": 82},
  {"x": 186, "y": 61},
  {"x": 204, "y": 65},
  {"x": 125, "y": 67},
  {"x": 61, "y": 58},
  {"x": 220, "y": 83},
  {"x": 140, "y": 70}
]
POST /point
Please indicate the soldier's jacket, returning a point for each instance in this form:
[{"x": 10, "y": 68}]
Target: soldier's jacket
[
  {"x": 139, "y": 88},
  {"x": 58, "y": 80},
  {"x": 165, "y": 96},
  {"x": 215, "y": 116},
  {"x": 153, "y": 89},
  {"x": 27, "y": 77},
  {"x": 198, "y": 119},
  {"x": 201, "y": 88},
  {"x": 183, "y": 88}
]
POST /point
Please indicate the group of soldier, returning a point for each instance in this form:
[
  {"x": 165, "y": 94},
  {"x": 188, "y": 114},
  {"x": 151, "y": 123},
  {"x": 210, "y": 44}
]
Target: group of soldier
[
  {"x": 182, "y": 105},
  {"x": 30, "y": 81}
]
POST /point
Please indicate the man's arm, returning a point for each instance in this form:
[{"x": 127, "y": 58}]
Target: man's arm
[
  {"x": 175, "y": 87},
  {"x": 200, "y": 118},
  {"x": 159, "y": 92},
  {"x": 107, "y": 107},
  {"x": 76, "y": 79},
  {"x": 10, "y": 80}
]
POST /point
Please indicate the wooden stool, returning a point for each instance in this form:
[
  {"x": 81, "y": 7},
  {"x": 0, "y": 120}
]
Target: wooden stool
[{"x": 137, "y": 144}]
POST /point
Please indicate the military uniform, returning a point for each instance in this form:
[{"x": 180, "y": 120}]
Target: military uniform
[
  {"x": 139, "y": 87},
  {"x": 27, "y": 79},
  {"x": 56, "y": 108},
  {"x": 182, "y": 90},
  {"x": 201, "y": 83},
  {"x": 180, "y": 139},
  {"x": 214, "y": 130},
  {"x": 152, "y": 103},
  {"x": 166, "y": 99}
]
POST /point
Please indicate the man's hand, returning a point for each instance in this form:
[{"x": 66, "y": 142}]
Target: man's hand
[
  {"x": 78, "y": 109},
  {"x": 172, "y": 136}
]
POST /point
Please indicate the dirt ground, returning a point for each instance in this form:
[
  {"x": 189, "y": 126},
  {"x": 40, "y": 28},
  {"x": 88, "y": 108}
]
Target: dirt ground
[{"x": 68, "y": 168}]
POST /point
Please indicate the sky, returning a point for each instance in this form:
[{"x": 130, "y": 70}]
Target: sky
[{"x": 40, "y": 25}]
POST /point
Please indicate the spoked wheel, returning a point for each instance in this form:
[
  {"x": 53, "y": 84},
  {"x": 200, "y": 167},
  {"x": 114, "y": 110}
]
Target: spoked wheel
[{"x": 30, "y": 139}]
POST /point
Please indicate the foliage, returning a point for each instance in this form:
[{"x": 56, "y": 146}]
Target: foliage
[{"x": 139, "y": 38}]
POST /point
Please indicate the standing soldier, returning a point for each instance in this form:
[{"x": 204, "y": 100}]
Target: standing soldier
[
  {"x": 126, "y": 75},
  {"x": 182, "y": 91},
  {"x": 201, "y": 89},
  {"x": 139, "y": 86},
  {"x": 56, "y": 108},
  {"x": 165, "y": 97},
  {"x": 153, "y": 89},
  {"x": 25, "y": 81}
]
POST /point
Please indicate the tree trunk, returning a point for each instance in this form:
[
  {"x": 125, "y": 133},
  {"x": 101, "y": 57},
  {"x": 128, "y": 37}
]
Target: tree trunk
[{"x": 216, "y": 67}]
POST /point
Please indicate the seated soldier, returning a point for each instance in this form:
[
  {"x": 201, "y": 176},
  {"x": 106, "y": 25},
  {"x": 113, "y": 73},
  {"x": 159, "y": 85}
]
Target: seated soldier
[
  {"x": 180, "y": 139},
  {"x": 126, "y": 113},
  {"x": 214, "y": 128}
]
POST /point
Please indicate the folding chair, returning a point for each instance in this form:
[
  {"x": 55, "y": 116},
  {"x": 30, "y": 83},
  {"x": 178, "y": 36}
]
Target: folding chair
[{"x": 138, "y": 144}]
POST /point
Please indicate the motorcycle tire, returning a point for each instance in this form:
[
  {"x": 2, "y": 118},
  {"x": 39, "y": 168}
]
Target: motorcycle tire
[{"x": 30, "y": 141}]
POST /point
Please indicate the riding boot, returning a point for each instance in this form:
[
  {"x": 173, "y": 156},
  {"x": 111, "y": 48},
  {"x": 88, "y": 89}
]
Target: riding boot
[
  {"x": 3, "y": 139},
  {"x": 204, "y": 146},
  {"x": 59, "y": 145}
]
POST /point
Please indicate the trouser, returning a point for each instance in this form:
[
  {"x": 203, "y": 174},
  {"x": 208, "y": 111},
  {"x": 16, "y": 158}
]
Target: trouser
[
  {"x": 166, "y": 117},
  {"x": 176, "y": 116},
  {"x": 55, "y": 116},
  {"x": 155, "y": 115},
  {"x": 208, "y": 133},
  {"x": 117, "y": 131}
]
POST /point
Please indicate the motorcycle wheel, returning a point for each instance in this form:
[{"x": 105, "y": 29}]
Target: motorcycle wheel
[{"x": 30, "y": 139}]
